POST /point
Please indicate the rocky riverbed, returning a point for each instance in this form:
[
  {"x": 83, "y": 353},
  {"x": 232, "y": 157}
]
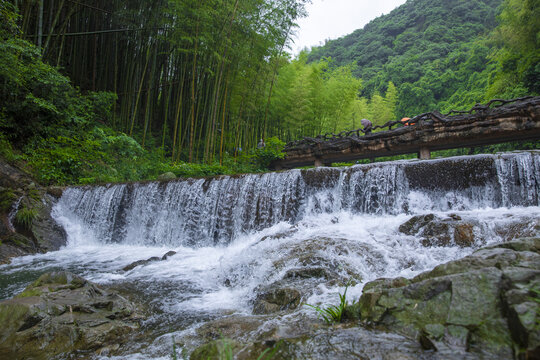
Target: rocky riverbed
[{"x": 483, "y": 306}]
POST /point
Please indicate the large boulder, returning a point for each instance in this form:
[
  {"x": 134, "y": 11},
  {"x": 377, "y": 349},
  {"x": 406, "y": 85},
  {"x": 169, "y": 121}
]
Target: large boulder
[
  {"x": 485, "y": 305},
  {"x": 437, "y": 231},
  {"x": 45, "y": 231},
  {"x": 62, "y": 313},
  {"x": 305, "y": 338},
  {"x": 452, "y": 230},
  {"x": 38, "y": 232},
  {"x": 276, "y": 298}
]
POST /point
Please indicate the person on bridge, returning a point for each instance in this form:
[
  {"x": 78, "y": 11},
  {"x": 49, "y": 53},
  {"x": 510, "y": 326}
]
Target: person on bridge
[
  {"x": 367, "y": 126},
  {"x": 405, "y": 120}
]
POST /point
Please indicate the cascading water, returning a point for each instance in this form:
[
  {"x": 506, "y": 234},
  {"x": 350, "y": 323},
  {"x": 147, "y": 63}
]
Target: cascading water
[
  {"x": 236, "y": 236},
  {"x": 209, "y": 212}
]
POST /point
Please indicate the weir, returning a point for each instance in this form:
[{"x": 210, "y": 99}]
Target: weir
[{"x": 209, "y": 212}]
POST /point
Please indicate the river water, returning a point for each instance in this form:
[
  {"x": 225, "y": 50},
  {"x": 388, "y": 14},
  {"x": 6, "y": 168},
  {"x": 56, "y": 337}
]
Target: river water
[{"x": 236, "y": 235}]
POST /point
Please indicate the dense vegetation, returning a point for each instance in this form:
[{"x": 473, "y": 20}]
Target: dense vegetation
[
  {"x": 444, "y": 54},
  {"x": 165, "y": 73},
  {"x": 115, "y": 90}
]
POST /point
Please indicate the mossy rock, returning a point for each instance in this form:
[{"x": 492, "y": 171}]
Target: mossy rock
[
  {"x": 166, "y": 176},
  {"x": 277, "y": 299},
  {"x": 480, "y": 304},
  {"x": 7, "y": 198},
  {"x": 216, "y": 350},
  {"x": 63, "y": 313}
]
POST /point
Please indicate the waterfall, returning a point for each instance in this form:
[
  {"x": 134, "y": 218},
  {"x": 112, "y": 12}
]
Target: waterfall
[
  {"x": 215, "y": 211},
  {"x": 235, "y": 238}
]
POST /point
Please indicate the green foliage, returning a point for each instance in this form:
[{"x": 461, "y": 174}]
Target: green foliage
[
  {"x": 174, "y": 355},
  {"x": 333, "y": 313},
  {"x": 436, "y": 53},
  {"x": 310, "y": 99},
  {"x": 36, "y": 100},
  {"x": 6, "y": 150},
  {"x": 518, "y": 55},
  {"x": 7, "y": 198},
  {"x": 46, "y": 118},
  {"x": 25, "y": 216},
  {"x": 273, "y": 150},
  {"x": 8, "y": 19},
  {"x": 63, "y": 160}
]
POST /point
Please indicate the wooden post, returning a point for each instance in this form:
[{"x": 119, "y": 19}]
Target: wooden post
[{"x": 424, "y": 153}]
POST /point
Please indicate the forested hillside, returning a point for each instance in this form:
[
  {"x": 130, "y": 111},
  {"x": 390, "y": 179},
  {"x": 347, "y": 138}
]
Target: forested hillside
[{"x": 443, "y": 54}]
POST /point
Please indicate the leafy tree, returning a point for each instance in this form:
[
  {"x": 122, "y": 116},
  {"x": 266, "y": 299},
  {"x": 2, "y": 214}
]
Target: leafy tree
[{"x": 518, "y": 58}]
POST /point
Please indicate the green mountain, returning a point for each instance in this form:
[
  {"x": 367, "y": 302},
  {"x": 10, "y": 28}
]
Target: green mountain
[{"x": 437, "y": 53}]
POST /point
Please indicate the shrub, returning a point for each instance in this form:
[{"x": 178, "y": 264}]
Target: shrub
[
  {"x": 63, "y": 160},
  {"x": 272, "y": 151}
]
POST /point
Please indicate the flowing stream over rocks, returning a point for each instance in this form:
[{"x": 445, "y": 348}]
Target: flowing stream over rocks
[{"x": 244, "y": 243}]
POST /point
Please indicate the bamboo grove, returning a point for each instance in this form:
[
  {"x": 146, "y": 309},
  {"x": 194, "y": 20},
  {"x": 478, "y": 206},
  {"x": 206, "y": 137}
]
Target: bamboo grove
[{"x": 192, "y": 76}]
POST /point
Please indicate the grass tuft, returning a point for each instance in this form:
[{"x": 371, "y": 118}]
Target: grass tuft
[
  {"x": 25, "y": 216},
  {"x": 333, "y": 313}
]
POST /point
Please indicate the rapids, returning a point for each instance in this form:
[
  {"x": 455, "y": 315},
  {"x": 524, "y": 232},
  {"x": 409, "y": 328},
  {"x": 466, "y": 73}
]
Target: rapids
[{"x": 236, "y": 235}]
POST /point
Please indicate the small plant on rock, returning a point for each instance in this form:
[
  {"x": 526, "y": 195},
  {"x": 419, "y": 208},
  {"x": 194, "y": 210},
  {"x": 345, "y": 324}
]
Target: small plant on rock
[
  {"x": 333, "y": 313},
  {"x": 25, "y": 216}
]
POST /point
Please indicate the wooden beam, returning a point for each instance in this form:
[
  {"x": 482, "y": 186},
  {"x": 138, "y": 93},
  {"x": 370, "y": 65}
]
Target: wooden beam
[{"x": 513, "y": 122}]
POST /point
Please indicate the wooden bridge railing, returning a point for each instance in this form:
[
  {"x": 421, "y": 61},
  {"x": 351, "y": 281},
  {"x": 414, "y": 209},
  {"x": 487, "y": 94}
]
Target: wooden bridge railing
[{"x": 495, "y": 122}]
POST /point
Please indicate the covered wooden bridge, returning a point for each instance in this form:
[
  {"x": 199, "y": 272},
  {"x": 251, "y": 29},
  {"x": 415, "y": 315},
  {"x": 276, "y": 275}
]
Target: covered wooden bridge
[{"x": 498, "y": 121}]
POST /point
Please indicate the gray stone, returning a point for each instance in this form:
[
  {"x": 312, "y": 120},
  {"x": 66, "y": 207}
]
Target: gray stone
[
  {"x": 482, "y": 304},
  {"x": 47, "y": 233},
  {"x": 62, "y": 313},
  {"x": 436, "y": 231},
  {"x": 276, "y": 299}
]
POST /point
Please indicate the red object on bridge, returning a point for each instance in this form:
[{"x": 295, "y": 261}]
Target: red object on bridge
[{"x": 404, "y": 121}]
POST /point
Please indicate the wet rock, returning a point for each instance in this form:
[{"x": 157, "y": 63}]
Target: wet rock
[
  {"x": 12, "y": 177},
  {"x": 134, "y": 264},
  {"x": 61, "y": 313},
  {"x": 482, "y": 305},
  {"x": 436, "y": 231},
  {"x": 275, "y": 299},
  {"x": 47, "y": 233},
  {"x": 168, "y": 254},
  {"x": 319, "y": 258},
  {"x": 448, "y": 174},
  {"x": 233, "y": 327},
  {"x": 514, "y": 228},
  {"x": 346, "y": 343},
  {"x": 319, "y": 343},
  {"x": 55, "y": 191},
  {"x": 8, "y": 251},
  {"x": 307, "y": 273},
  {"x": 42, "y": 234}
]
